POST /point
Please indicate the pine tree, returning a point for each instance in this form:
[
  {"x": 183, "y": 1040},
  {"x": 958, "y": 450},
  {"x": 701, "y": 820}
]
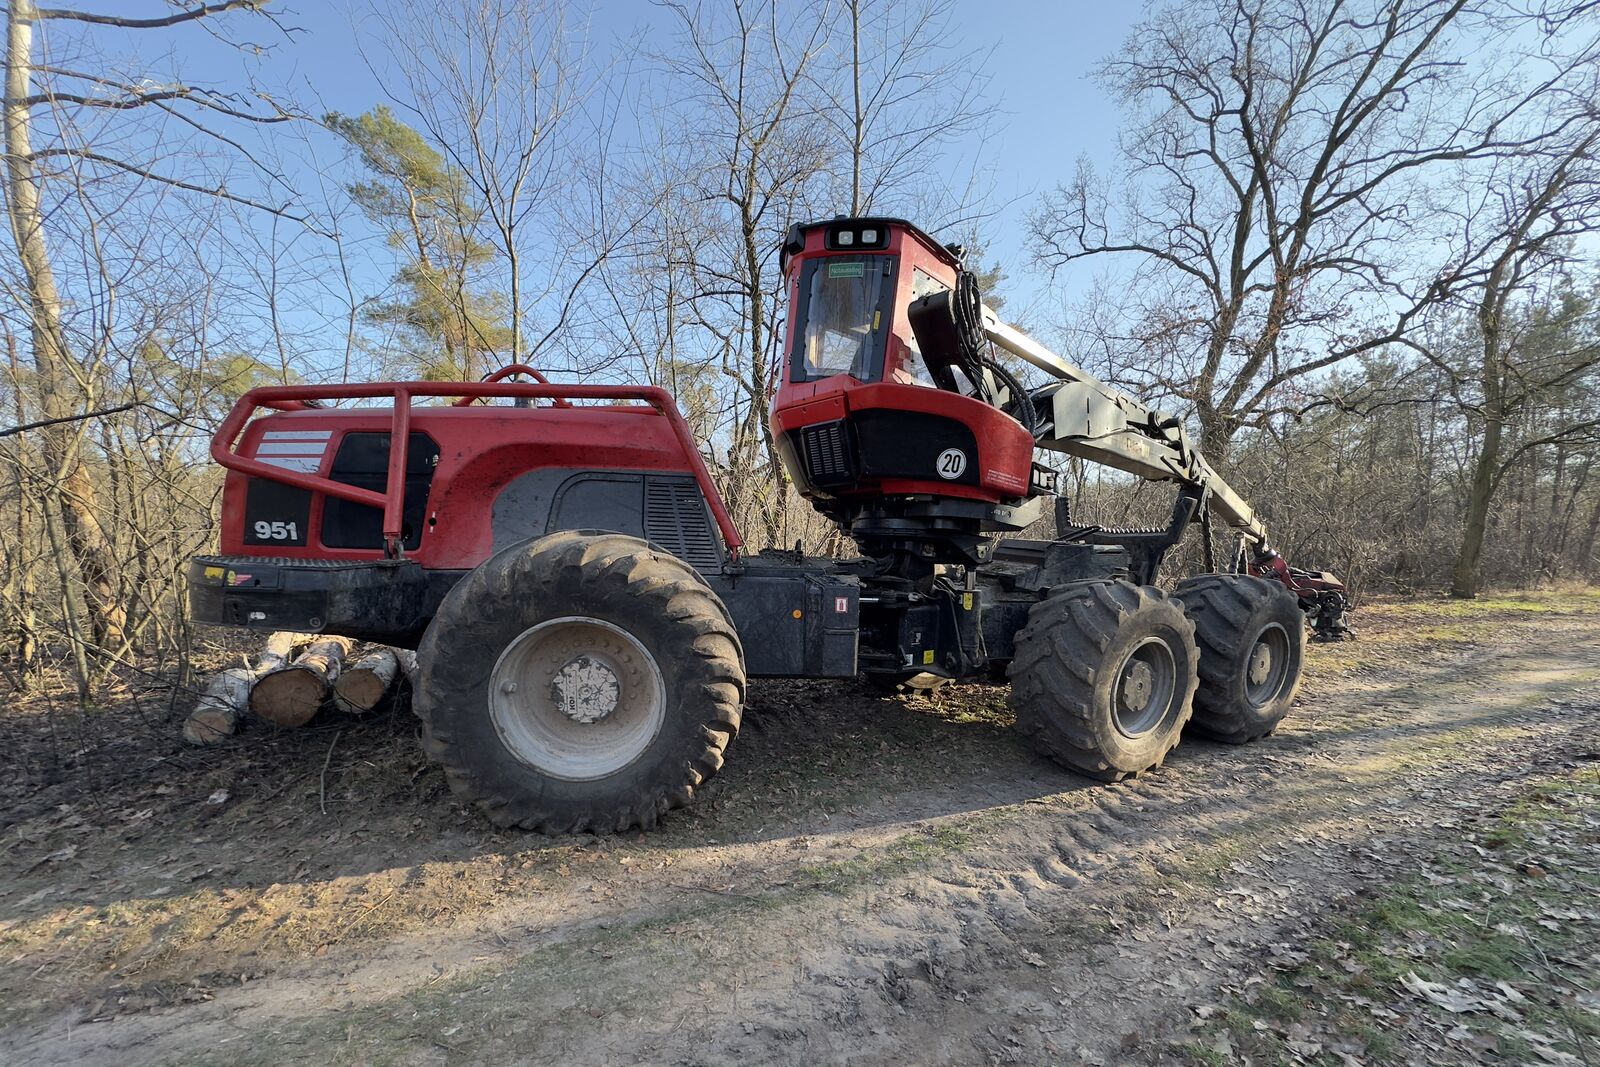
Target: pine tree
[{"x": 450, "y": 322}]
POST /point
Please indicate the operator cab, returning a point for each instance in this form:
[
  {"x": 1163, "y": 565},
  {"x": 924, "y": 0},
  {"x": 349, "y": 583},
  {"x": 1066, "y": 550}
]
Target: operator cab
[
  {"x": 905, "y": 456},
  {"x": 843, "y": 305}
]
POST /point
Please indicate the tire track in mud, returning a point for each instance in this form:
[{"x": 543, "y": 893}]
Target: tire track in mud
[
  {"x": 1017, "y": 941},
  {"x": 1109, "y": 835},
  {"x": 1103, "y": 835},
  {"x": 1101, "y": 829}
]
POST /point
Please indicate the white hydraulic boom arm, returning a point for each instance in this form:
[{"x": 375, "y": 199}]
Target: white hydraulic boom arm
[{"x": 1098, "y": 422}]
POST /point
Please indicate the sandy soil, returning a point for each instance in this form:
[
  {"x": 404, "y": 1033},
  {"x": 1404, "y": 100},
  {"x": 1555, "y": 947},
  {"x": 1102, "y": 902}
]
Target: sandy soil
[{"x": 870, "y": 881}]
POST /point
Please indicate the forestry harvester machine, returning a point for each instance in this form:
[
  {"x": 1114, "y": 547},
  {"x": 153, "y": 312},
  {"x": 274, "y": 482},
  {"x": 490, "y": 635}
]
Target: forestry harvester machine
[{"x": 585, "y": 619}]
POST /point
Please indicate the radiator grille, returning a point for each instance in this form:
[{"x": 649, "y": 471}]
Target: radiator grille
[
  {"x": 676, "y": 518},
  {"x": 827, "y": 454}
]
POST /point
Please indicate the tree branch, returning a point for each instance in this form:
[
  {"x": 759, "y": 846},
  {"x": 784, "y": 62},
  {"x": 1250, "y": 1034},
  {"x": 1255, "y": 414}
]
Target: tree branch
[
  {"x": 25, "y": 427},
  {"x": 176, "y": 183},
  {"x": 175, "y": 19}
]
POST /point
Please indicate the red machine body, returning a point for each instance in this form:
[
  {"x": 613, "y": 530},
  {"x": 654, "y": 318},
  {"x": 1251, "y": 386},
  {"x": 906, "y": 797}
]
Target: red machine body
[
  {"x": 857, "y": 417},
  {"x": 585, "y": 621},
  {"x": 430, "y": 483}
]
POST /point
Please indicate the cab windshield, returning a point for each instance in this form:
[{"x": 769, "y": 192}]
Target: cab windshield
[{"x": 844, "y": 317}]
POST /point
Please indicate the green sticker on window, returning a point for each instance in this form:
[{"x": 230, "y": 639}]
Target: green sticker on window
[{"x": 847, "y": 270}]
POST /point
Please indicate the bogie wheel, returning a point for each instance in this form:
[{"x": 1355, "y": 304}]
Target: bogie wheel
[
  {"x": 1252, "y": 639},
  {"x": 1104, "y": 677},
  {"x": 581, "y": 681}
]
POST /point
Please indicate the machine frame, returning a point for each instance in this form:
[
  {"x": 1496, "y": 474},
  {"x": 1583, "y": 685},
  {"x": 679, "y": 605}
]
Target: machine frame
[{"x": 557, "y": 520}]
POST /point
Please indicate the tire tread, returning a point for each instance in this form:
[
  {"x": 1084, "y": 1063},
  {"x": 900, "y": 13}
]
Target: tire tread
[
  {"x": 1057, "y": 663},
  {"x": 668, "y": 591}
]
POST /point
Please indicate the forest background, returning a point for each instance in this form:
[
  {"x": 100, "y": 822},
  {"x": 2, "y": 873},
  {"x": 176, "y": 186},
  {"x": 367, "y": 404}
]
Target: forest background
[{"x": 1352, "y": 243}]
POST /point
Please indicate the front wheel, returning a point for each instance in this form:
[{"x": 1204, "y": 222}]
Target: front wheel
[
  {"x": 580, "y": 682},
  {"x": 1104, "y": 677}
]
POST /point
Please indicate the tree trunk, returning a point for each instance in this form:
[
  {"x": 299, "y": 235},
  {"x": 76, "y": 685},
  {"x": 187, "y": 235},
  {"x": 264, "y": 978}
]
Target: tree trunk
[
  {"x": 1588, "y": 564},
  {"x": 21, "y": 590},
  {"x": 279, "y": 649},
  {"x": 408, "y": 664},
  {"x": 227, "y": 695},
  {"x": 363, "y": 684},
  {"x": 752, "y": 447},
  {"x": 291, "y": 694},
  {"x": 859, "y": 123},
  {"x": 1465, "y": 583},
  {"x": 73, "y": 610},
  {"x": 1216, "y": 434},
  {"x": 68, "y": 480},
  {"x": 1485, "y": 471},
  {"x": 216, "y": 716}
]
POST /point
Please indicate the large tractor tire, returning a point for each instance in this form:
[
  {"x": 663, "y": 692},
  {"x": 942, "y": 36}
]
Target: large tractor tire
[
  {"x": 1104, "y": 677},
  {"x": 581, "y": 681},
  {"x": 1252, "y": 638}
]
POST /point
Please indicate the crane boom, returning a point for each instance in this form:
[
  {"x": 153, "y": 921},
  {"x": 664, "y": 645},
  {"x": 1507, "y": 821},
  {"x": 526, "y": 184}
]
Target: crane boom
[{"x": 1087, "y": 418}]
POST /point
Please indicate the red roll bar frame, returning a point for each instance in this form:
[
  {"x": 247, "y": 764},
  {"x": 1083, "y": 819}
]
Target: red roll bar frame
[{"x": 392, "y": 500}]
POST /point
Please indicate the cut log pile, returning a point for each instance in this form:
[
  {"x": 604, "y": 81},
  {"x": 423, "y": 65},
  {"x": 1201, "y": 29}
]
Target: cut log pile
[{"x": 295, "y": 677}]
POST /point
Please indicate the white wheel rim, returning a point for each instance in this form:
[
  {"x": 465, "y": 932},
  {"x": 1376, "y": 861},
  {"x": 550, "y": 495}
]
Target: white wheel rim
[
  {"x": 1145, "y": 688},
  {"x": 576, "y": 698},
  {"x": 1267, "y": 666}
]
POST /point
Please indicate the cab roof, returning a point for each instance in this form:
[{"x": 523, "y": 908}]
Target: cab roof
[{"x": 795, "y": 241}]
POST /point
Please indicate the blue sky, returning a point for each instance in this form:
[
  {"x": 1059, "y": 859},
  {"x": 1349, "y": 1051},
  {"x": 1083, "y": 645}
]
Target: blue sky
[{"x": 1043, "y": 51}]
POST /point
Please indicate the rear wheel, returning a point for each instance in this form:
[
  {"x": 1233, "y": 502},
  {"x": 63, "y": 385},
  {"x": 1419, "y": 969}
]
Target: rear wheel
[
  {"x": 580, "y": 682},
  {"x": 1251, "y": 634},
  {"x": 1104, "y": 677}
]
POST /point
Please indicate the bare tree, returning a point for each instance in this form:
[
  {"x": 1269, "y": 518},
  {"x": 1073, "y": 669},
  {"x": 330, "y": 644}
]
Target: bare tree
[
  {"x": 1519, "y": 234},
  {"x": 773, "y": 113},
  {"x": 902, "y": 89},
  {"x": 77, "y": 137},
  {"x": 1277, "y": 165},
  {"x": 742, "y": 81},
  {"x": 497, "y": 86},
  {"x": 77, "y": 103}
]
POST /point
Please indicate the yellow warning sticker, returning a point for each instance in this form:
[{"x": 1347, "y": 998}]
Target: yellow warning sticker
[
  {"x": 213, "y": 574},
  {"x": 927, "y": 657},
  {"x": 966, "y": 601}
]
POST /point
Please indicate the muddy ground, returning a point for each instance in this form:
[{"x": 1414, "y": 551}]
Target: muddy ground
[{"x": 870, "y": 881}]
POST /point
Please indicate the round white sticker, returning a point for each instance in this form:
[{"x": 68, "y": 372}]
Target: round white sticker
[{"x": 951, "y": 463}]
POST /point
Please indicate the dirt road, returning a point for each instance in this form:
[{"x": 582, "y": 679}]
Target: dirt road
[{"x": 871, "y": 880}]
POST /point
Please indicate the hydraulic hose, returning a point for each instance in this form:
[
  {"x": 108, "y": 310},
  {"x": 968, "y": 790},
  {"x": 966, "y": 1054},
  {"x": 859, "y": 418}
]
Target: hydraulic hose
[
  {"x": 966, "y": 308},
  {"x": 948, "y": 326},
  {"x": 1021, "y": 406}
]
